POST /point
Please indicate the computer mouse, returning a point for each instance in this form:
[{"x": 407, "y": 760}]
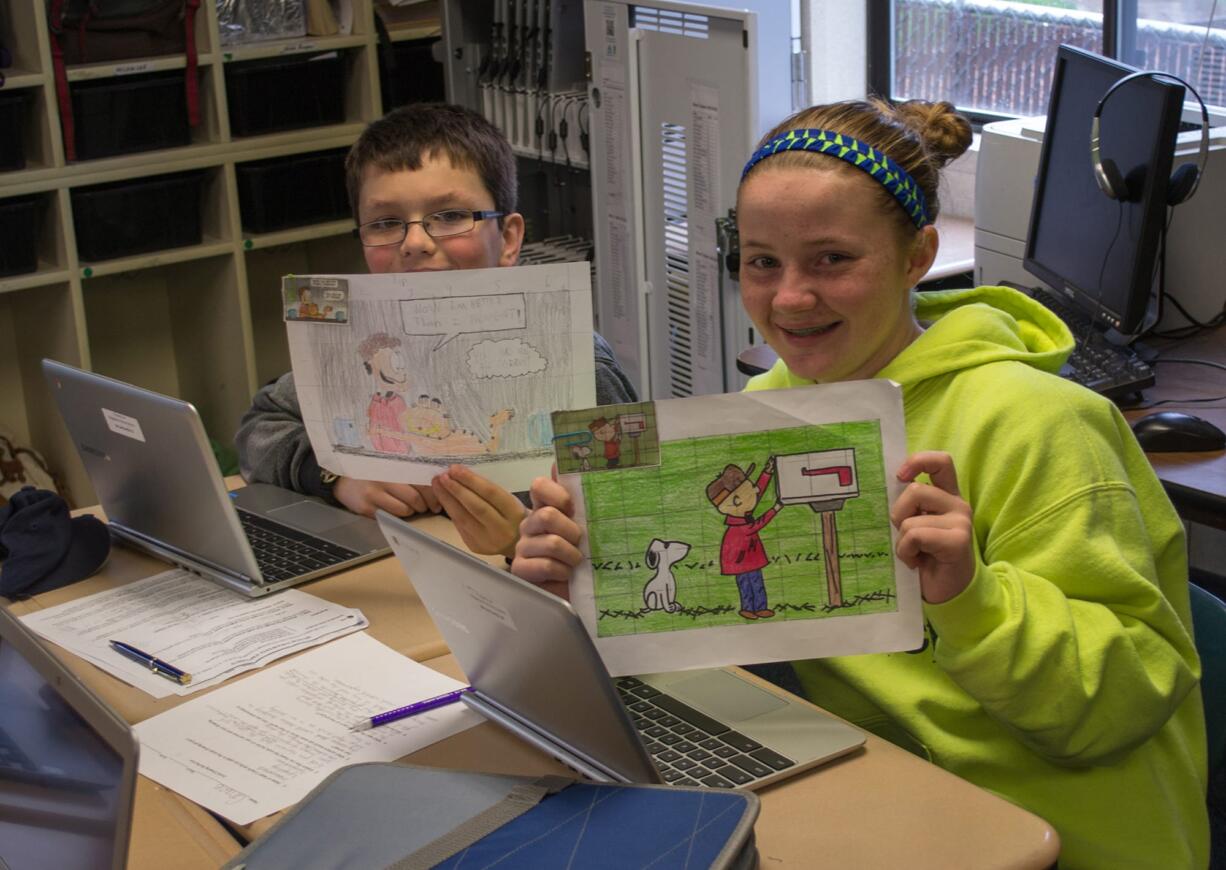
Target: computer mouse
[{"x": 1176, "y": 432}]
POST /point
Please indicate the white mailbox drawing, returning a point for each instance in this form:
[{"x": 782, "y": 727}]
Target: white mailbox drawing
[
  {"x": 824, "y": 480},
  {"x": 633, "y": 426}
]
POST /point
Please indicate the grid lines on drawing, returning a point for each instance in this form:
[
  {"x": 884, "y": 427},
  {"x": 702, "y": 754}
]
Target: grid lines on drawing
[{"x": 627, "y": 510}]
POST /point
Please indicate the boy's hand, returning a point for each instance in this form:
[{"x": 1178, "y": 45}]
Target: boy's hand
[
  {"x": 399, "y": 499},
  {"x": 548, "y": 548},
  {"x": 769, "y": 468},
  {"x": 486, "y": 515},
  {"x": 935, "y": 525}
]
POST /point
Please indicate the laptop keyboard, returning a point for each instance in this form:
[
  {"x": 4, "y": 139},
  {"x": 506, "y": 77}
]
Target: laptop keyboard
[
  {"x": 283, "y": 552},
  {"x": 689, "y": 747}
]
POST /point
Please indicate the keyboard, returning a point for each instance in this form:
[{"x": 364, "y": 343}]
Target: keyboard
[
  {"x": 689, "y": 747},
  {"x": 1096, "y": 363},
  {"x": 283, "y": 552}
]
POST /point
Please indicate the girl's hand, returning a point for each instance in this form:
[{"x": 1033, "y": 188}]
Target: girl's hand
[
  {"x": 548, "y": 548},
  {"x": 486, "y": 515},
  {"x": 936, "y": 533}
]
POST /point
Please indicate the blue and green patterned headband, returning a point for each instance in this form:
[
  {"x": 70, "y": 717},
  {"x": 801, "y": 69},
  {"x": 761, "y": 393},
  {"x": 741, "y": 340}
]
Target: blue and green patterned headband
[{"x": 892, "y": 177}]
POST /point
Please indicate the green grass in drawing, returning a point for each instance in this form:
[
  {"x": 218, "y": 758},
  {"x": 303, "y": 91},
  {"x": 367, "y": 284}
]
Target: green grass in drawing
[{"x": 678, "y": 503}]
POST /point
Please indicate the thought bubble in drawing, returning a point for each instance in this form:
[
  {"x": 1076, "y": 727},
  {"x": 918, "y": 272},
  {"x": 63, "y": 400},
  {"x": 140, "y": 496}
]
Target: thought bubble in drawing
[
  {"x": 454, "y": 315},
  {"x": 505, "y": 358}
]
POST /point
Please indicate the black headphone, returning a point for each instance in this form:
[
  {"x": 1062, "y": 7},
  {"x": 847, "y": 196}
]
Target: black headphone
[{"x": 1184, "y": 180}]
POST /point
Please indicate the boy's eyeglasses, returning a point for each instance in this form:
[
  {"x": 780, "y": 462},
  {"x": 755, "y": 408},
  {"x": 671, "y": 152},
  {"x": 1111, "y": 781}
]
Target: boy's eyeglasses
[{"x": 439, "y": 225}]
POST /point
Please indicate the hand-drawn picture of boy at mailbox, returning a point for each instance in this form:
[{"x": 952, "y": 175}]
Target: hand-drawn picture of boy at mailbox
[
  {"x": 663, "y": 560},
  {"x": 610, "y": 438},
  {"x": 735, "y": 495}
]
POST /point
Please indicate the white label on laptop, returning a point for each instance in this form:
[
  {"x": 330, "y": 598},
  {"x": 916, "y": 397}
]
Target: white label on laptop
[
  {"x": 122, "y": 424},
  {"x": 493, "y": 608}
]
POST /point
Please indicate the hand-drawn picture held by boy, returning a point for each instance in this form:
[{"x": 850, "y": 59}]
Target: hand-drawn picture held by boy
[{"x": 424, "y": 428}]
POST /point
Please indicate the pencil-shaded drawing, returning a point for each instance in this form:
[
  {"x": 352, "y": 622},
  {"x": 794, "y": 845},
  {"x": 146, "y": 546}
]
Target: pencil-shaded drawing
[
  {"x": 660, "y": 593},
  {"x": 385, "y": 414},
  {"x": 708, "y": 492},
  {"x": 735, "y": 494},
  {"x": 436, "y": 368}
]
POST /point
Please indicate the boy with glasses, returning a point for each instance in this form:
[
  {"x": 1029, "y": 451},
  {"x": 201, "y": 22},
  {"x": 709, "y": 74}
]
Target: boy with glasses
[{"x": 432, "y": 187}]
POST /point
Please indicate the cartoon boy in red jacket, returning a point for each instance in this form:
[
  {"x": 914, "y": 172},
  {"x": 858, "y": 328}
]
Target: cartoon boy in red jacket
[{"x": 735, "y": 496}]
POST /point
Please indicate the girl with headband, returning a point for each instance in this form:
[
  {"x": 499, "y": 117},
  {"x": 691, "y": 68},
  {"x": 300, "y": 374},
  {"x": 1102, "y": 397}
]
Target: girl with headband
[{"x": 1058, "y": 668}]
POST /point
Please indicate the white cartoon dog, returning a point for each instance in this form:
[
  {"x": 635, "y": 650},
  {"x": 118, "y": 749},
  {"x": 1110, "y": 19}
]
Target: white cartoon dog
[{"x": 660, "y": 593}]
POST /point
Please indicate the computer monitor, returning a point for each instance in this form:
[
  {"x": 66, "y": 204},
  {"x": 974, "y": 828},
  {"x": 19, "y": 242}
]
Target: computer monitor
[
  {"x": 1099, "y": 252},
  {"x": 67, "y": 764}
]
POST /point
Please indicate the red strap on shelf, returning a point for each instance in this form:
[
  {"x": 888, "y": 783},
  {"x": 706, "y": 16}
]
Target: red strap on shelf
[
  {"x": 193, "y": 85},
  {"x": 56, "y": 13}
]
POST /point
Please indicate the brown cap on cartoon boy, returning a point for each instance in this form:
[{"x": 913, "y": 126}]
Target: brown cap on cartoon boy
[{"x": 724, "y": 485}]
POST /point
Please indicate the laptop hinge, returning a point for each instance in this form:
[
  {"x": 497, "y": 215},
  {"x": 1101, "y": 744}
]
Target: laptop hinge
[
  {"x": 568, "y": 755},
  {"x": 160, "y": 548}
]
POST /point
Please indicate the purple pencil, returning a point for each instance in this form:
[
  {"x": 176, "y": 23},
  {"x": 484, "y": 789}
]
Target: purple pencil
[{"x": 411, "y": 709}]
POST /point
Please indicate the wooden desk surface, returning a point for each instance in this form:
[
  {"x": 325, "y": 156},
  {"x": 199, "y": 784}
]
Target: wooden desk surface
[
  {"x": 169, "y": 832},
  {"x": 878, "y": 807}
]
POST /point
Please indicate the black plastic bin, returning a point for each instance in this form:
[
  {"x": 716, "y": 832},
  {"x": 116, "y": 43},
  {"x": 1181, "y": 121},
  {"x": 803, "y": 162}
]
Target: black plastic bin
[
  {"x": 13, "y": 129},
  {"x": 122, "y": 218},
  {"x": 19, "y": 225},
  {"x": 408, "y": 73},
  {"x": 266, "y": 96},
  {"x": 294, "y": 191},
  {"x": 127, "y": 114}
]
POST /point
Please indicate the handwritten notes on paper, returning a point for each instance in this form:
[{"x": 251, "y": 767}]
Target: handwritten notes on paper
[
  {"x": 259, "y": 745},
  {"x": 199, "y": 627}
]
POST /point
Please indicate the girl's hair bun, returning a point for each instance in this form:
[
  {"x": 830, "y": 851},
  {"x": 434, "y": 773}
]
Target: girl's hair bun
[{"x": 945, "y": 131}]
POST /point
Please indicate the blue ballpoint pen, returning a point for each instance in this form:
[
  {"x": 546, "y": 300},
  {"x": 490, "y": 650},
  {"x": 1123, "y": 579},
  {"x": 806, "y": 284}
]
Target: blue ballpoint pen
[
  {"x": 153, "y": 663},
  {"x": 411, "y": 709}
]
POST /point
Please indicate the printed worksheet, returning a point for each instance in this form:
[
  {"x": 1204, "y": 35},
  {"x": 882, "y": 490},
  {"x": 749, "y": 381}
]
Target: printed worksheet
[
  {"x": 401, "y": 375},
  {"x": 740, "y": 528},
  {"x": 261, "y": 744}
]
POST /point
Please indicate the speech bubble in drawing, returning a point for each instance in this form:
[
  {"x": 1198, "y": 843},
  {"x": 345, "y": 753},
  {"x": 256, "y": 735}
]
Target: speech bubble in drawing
[
  {"x": 505, "y": 358},
  {"x": 457, "y": 314}
]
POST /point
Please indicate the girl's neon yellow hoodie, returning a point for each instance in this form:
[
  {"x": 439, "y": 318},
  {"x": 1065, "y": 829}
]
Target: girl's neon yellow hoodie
[{"x": 1064, "y": 678}]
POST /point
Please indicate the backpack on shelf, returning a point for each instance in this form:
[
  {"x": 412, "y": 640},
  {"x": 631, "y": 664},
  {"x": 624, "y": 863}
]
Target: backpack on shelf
[{"x": 93, "y": 31}]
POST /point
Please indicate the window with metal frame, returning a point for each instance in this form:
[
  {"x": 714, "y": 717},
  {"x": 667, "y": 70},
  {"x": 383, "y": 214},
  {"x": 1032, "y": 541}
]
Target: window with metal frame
[{"x": 994, "y": 58}]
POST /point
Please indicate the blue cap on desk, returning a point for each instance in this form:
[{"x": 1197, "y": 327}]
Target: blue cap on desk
[{"x": 43, "y": 547}]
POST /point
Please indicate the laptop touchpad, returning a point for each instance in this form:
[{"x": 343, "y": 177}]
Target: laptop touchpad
[
  {"x": 310, "y": 516},
  {"x": 725, "y": 696}
]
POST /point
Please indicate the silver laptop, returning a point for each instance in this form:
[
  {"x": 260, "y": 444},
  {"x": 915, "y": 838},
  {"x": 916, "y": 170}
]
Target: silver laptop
[
  {"x": 67, "y": 763},
  {"x": 535, "y": 670},
  {"x": 156, "y": 477}
]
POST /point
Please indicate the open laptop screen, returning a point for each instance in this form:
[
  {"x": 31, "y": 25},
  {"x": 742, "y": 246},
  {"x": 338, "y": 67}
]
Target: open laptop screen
[{"x": 65, "y": 790}]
